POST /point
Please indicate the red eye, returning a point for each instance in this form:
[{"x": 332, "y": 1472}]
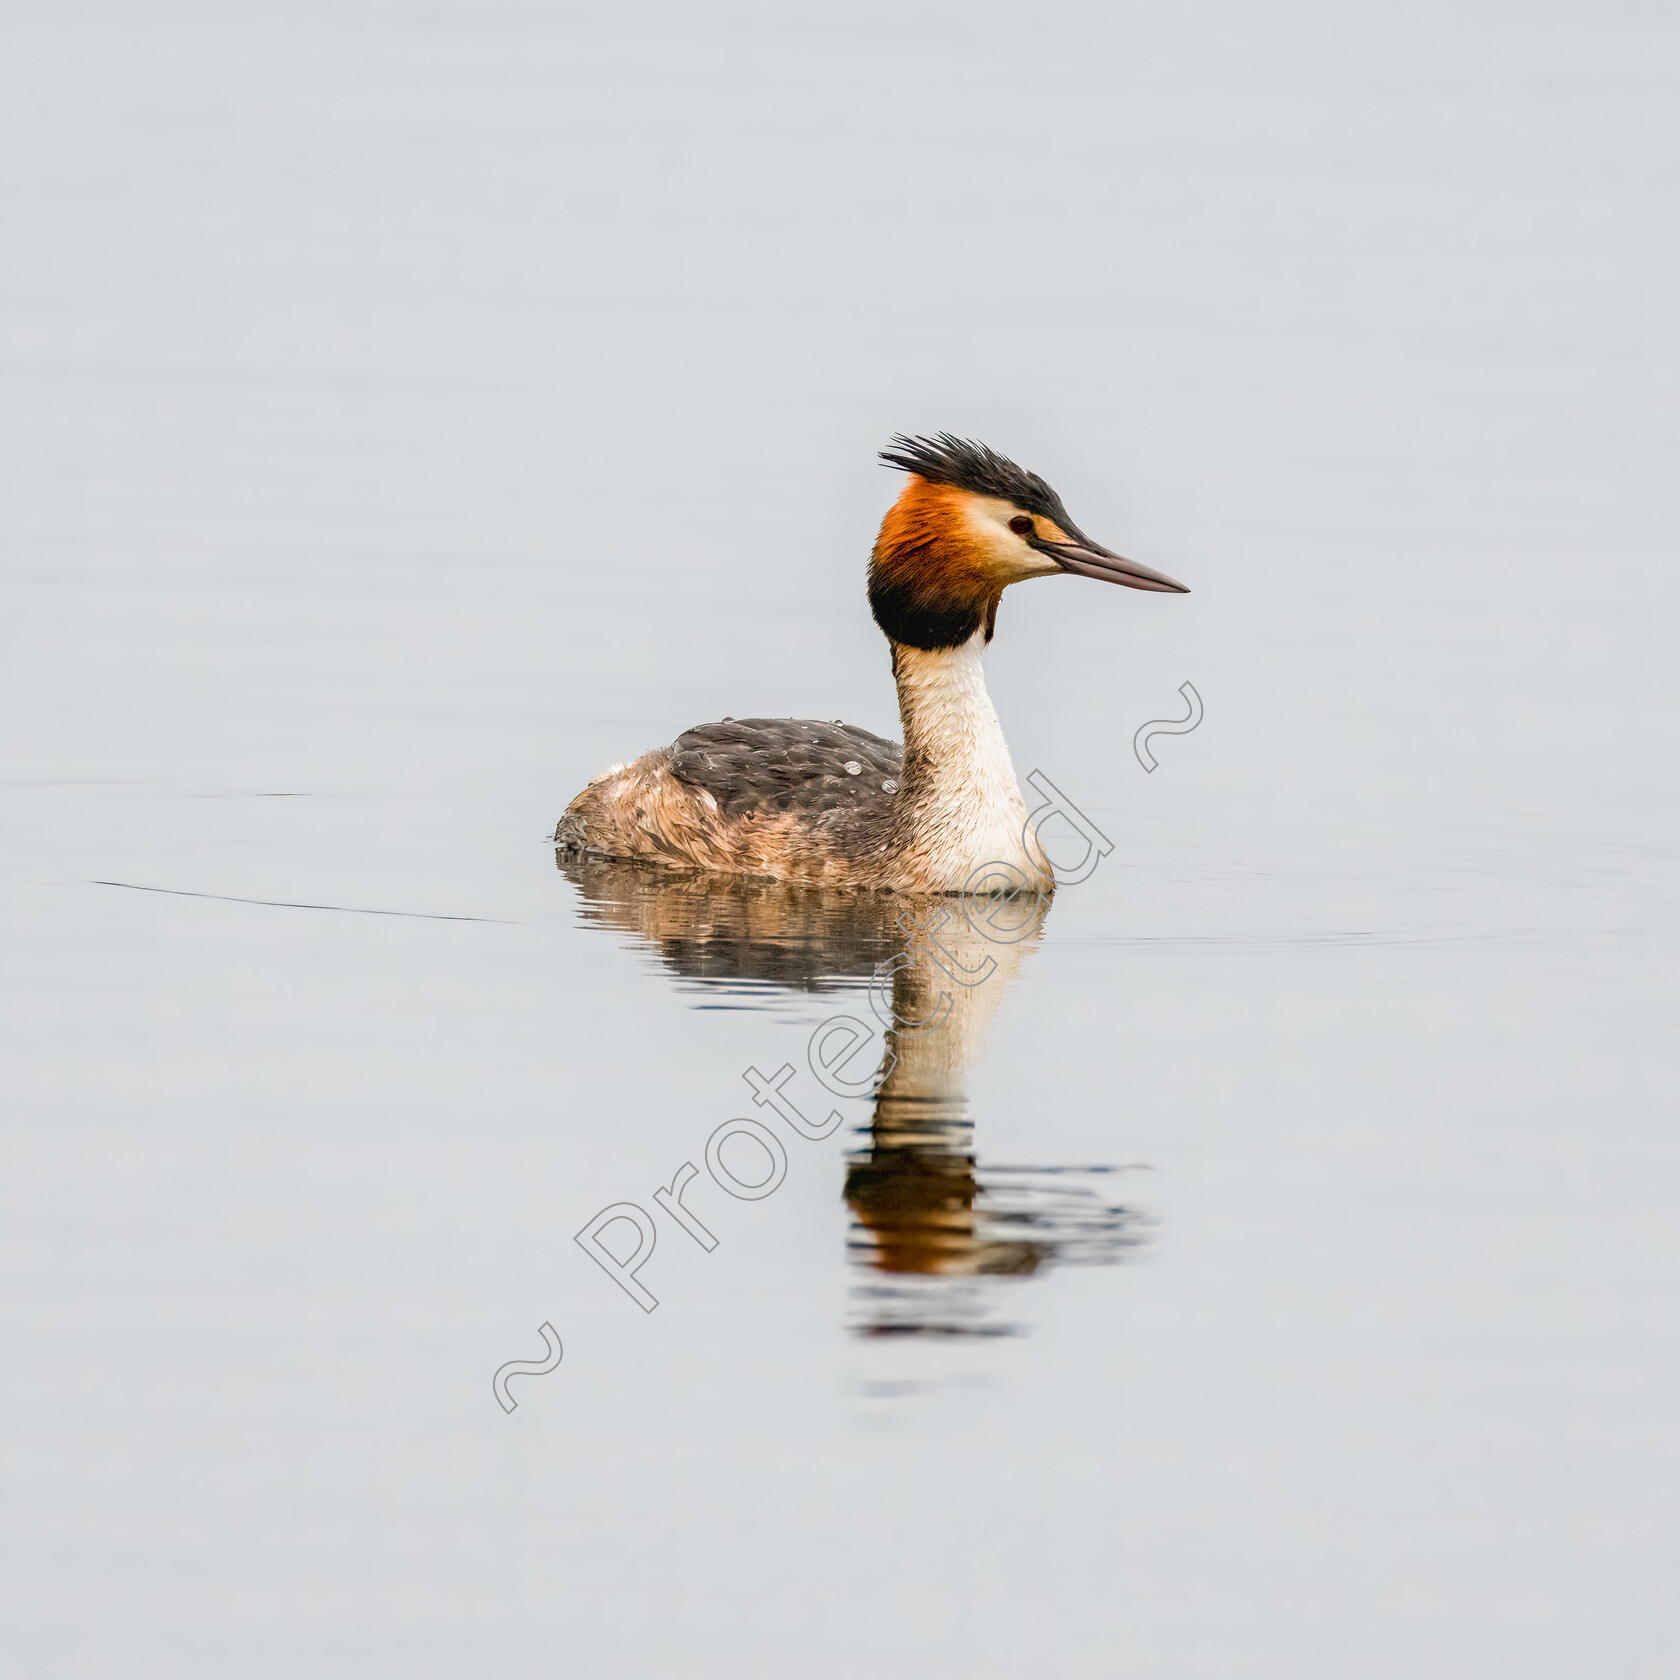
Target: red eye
[{"x": 1021, "y": 525}]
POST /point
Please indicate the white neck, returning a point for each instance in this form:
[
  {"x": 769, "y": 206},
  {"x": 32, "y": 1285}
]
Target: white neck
[{"x": 966, "y": 807}]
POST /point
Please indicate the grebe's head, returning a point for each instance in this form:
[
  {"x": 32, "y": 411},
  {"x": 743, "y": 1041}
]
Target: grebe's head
[{"x": 968, "y": 524}]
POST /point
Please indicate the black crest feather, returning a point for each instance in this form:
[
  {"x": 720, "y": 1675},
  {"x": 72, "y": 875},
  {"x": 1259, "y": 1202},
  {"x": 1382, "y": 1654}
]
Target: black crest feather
[{"x": 966, "y": 465}]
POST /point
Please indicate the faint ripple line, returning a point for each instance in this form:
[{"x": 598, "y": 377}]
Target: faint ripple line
[{"x": 288, "y": 904}]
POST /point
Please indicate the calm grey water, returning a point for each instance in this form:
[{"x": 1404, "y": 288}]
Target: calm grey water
[{"x": 412, "y": 409}]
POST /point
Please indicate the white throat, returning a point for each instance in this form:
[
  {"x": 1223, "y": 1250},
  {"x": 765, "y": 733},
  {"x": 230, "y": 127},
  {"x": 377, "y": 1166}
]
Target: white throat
[{"x": 965, "y": 804}]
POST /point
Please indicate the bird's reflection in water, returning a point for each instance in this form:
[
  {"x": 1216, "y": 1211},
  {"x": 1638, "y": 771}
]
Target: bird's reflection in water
[{"x": 933, "y": 1231}]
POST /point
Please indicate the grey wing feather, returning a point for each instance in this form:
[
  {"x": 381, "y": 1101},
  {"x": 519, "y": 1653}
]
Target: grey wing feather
[{"x": 751, "y": 765}]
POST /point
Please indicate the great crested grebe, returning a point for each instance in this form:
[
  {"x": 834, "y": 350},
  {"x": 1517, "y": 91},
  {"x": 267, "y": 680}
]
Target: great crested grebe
[{"x": 799, "y": 800}]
